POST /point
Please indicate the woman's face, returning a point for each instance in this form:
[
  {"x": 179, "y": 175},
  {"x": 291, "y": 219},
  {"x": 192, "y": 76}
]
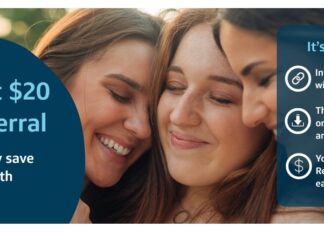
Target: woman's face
[
  {"x": 253, "y": 58},
  {"x": 110, "y": 93},
  {"x": 199, "y": 114}
]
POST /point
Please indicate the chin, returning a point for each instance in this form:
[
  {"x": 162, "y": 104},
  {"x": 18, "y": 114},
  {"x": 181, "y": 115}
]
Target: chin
[
  {"x": 104, "y": 181},
  {"x": 184, "y": 178},
  {"x": 193, "y": 180}
]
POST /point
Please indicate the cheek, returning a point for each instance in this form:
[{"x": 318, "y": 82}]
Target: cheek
[
  {"x": 271, "y": 97},
  {"x": 226, "y": 127},
  {"x": 245, "y": 138},
  {"x": 100, "y": 112},
  {"x": 233, "y": 137},
  {"x": 248, "y": 142},
  {"x": 163, "y": 111}
]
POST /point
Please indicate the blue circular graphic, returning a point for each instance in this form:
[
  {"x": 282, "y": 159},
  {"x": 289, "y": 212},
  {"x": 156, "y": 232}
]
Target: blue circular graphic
[
  {"x": 298, "y": 166},
  {"x": 297, "y": 121},
  {"x": 298, "y": 78},
  {"x": 42, "y": 149}
]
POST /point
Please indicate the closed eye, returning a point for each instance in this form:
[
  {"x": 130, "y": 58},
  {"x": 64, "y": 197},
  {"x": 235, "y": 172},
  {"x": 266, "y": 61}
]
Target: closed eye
[
  {"x": 221, "y": 100},
  {"x": 265, "y": 81},
  {"x": 120, "y": 98},
  {"x": 174, "y": 86}
]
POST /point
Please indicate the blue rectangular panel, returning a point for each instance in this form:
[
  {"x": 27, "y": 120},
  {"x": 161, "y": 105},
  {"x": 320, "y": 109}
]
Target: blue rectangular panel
[{"x": 300, "y": 84}]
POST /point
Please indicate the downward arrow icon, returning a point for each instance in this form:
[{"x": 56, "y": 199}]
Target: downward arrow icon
[{"x": 297, "y": 120}]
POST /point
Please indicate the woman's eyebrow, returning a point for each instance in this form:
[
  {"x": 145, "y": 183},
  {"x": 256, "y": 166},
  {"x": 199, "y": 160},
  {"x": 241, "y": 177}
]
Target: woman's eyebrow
[
  {"x": 247, "y": 69},
  {"x": 175, "y": 68},
  {"x": 229, "y": 81},
  {"x": 130, "y": 82},
  {"x": 218, "y": 78}
]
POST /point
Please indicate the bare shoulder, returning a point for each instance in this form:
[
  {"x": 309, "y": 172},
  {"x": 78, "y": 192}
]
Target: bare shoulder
[
  {"x": 81, "y": 214},
  {"x": 292, "y": 215}
]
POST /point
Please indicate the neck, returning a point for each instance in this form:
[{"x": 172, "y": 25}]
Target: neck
[
  {"x": 195, "y": 197},
  {"x": 195, "y": 207}
]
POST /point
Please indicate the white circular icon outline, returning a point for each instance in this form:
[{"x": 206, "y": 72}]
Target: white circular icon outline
[
  {"x": 308, "y": 75},
  {"x": 301, "y": 131},
  {"x": 309, "y": 169}
]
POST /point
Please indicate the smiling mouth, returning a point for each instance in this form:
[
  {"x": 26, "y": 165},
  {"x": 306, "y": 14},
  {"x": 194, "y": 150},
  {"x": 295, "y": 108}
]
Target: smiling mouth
[
  {"x": 185, "y": 142},
  {"x": 114, "y": 146}
]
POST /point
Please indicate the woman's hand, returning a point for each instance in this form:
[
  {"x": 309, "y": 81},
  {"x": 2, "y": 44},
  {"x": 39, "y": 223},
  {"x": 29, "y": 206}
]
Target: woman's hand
[{"x": 81, "y": 214}]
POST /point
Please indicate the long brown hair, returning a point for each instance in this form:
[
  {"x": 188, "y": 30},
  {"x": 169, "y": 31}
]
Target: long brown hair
[
  {"x": 83, "y": 33},
  {"x": 75, "y": 39},
  {"x": 247, "y": 195}
]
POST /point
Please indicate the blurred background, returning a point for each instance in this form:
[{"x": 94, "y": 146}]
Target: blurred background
[{"x": 25, "y": 26}]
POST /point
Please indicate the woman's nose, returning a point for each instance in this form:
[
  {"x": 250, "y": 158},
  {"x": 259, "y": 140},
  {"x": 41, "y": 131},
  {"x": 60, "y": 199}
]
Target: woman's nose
[
  {"x": 138, "y": 124},
  {"x": 254, "y": 111},
  {"x": 186, "y": 111}
]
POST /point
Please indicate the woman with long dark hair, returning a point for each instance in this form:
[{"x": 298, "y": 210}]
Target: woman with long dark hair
[{"x": 247, "y": 37}]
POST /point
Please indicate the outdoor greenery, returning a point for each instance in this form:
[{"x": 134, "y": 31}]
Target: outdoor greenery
[{"x": 25, "y": 26}]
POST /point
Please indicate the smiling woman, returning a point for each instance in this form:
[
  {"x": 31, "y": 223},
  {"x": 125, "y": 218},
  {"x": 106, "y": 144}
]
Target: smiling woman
[
  {"x": 207, "y": 166},
  {"x": 110, "y": 95},
  {"x": 104, "y": 58},
  {"x": 260, "y": 73},
  {"x": 247, "y": 38},
  {"x": 203, "y": 118}
]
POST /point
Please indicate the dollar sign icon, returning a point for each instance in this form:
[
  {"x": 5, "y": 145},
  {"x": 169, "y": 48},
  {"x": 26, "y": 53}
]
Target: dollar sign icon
[
  {"x": 17, "y": 93},
  {"x": 298, "y": 163},
  {"x": 299, "y": 166}
]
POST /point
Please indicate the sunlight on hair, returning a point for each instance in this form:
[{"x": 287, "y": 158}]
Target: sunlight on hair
[
  {"x": 152, "y": 11},
  {"x": 166, "y": 14}
]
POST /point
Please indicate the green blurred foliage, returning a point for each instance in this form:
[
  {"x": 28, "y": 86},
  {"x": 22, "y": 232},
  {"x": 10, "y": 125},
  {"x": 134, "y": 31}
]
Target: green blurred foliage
[{"x": 28, "y": 25}]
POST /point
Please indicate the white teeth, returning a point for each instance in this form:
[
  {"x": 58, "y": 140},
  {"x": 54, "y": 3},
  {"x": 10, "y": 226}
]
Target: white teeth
[
  {"x": 111, "y": 144},
  {"x": 120, "y": 149},
  {"x": 125, "y": 151},
  {"x": 115, "y": 147}
]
